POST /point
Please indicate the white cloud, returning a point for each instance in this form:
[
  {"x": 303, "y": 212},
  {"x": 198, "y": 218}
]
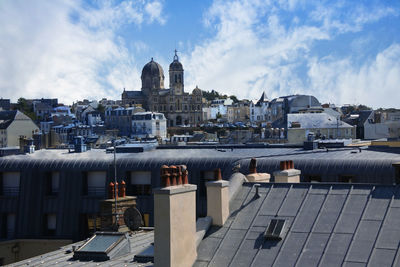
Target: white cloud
[
  {"x": 154, "y": 10},
  {"x": 254, "y": 50},
  {"x": 376, "y": 83},
  {"x": 68, "y": 50}
]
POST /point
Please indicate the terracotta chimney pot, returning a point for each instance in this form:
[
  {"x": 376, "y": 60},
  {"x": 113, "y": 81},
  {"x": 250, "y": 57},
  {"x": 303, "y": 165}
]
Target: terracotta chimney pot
[
  {"x": 122, "y": 190},
  {"x": 217, "y": 174}
]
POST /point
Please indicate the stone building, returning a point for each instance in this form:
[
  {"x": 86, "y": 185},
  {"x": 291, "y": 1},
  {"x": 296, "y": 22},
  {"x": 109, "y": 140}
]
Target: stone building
[{"x": 179, "y": 107}]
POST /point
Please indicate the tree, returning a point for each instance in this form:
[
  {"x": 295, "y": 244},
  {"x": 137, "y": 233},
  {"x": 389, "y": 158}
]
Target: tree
[
  {"x": 234, "y": 98},
  {"x": 26, "y": 108}
]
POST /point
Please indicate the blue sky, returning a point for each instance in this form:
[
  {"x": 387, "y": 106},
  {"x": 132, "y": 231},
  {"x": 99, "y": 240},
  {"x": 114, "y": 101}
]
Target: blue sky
[{"x": 343, "y": 52}]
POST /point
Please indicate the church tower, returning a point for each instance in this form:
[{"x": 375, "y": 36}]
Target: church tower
[{"x": 176, "y": 76}]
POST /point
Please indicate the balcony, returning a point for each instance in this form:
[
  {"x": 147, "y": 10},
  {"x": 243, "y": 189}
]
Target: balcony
[
  {"x": 96, "y": 191},
  {"x": 10, "y": 191}
]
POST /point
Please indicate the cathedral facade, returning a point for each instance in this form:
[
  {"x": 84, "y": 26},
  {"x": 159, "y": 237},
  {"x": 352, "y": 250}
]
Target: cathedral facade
[{"x": 179, "y": 107}]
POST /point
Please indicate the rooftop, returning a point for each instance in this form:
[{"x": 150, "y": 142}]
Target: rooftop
[
  {"x": 138, "y": 243},
  {"x": 326, "y": 225},
  {"x": 370, "y": 165}
]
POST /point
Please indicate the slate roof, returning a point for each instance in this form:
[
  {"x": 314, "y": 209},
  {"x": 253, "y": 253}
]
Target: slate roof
[
  {"x": 370, "y": 164},
  {"x": 63, "y": 256},
  {"x": 133, "y": 94},
  {"x": 315, "y": 120},
  {"x": 328, "y": 225}
]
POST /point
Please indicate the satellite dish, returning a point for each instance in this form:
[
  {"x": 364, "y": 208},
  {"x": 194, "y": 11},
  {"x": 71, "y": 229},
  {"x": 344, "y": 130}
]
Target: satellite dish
[{"x": 133, "y": 218}]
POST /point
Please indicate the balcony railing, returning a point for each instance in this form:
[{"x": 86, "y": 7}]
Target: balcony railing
[
  {"x": 11, "y": 190},
  {"x": 96, "y": 191}
]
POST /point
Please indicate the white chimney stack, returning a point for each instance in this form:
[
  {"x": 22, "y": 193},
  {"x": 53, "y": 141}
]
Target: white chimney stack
[
  {"x": 218, "y": 199},
  {"x": 175, "y": 219}
]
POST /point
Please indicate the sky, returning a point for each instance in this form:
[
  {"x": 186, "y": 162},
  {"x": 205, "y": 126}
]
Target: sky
[{"x": 342, "y": 52}]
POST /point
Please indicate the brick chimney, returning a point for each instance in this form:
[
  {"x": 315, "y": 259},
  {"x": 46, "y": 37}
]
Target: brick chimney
[
  {"x": 287, "y": 173},
  {"x": 218, "y": 199},
  {"x": 253, "y": 176},
  {"x": 175, "y": 219},
  {"x": 108, "y": 211}
]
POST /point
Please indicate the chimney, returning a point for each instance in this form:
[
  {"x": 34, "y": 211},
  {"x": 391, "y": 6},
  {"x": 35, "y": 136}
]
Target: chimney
[
  {"x": 218, "y": 199},
  {"x": 257, "y": 177},
  {"x": 287, "y": 173},
  {"x": 108, "y": 212},
  {"x": 175, "y": 219}
]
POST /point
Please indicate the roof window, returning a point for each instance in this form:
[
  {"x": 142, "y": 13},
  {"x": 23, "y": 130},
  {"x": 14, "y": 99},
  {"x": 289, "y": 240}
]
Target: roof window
[
  {"x": 103, "y": 246},
  {"x": 275, "y": 230}
]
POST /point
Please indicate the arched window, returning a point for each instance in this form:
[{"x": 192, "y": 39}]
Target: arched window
[{"x": 176, "y": 78}]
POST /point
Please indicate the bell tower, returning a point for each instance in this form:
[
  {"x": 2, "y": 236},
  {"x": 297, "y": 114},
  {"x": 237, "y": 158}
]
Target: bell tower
[{"x": 176, "y": 76}]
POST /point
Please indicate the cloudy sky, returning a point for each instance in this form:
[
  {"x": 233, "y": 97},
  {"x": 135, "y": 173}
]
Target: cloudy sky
[{"x": 339, "y": 51}]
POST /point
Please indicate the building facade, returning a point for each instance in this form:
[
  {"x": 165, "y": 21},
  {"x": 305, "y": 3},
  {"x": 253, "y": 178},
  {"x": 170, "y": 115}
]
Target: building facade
[
  {"x": 149, "y": 124},
  {"x": 179, "y": 107},
  {"x": 121, "y": 119}
]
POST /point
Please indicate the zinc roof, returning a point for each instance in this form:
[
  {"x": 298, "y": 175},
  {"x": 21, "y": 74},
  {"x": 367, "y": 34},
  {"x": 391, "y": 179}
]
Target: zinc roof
[{"x": 328, "y": 225}]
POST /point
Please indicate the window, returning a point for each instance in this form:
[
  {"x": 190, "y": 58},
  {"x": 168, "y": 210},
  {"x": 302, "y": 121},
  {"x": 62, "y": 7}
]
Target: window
[
  {"x": 52, "y": 183},
  {"x": 50, "y": 224},
  {"x": 347, "y": 179},
  {"x": 397, "y": 174},
  {"x": 312, "y": 178},
  {"x": 95, "y": 183},
  {"x": 139, "y": 183},
  {"x": 205, "y": 176},
  {"x": 10, "y": 183},
  {"x": 275, "y": 230},
  {"x": 8, "y": 226}
]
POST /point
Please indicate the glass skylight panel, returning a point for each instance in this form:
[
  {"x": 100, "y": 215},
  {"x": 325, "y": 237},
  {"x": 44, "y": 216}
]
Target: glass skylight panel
[
  {"x": 275, "y": 229},
  {"x": 101, "y": 243}
]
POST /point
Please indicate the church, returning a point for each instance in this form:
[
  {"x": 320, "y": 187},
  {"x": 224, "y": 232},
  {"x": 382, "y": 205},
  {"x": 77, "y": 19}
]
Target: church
[{"x": 179, "y": 108}]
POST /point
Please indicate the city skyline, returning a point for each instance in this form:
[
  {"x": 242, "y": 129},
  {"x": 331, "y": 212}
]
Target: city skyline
[{"x": 340, "y": 52}]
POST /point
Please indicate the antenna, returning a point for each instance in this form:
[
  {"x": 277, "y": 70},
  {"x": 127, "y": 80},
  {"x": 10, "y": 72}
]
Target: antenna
[{"x": 115, "y": 183}]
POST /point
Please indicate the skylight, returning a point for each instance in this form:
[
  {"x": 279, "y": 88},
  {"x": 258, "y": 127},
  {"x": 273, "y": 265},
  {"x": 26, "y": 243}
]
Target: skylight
[
  {"x": 275, "y": 229},
  {"x": 103, "y": 246}
]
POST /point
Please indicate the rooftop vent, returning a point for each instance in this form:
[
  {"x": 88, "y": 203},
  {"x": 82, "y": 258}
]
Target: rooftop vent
[
  {"x": 103, "y": 246},
  {"x": 275, "y": 230}
]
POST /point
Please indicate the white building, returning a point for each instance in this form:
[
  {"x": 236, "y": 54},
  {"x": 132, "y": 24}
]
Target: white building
[
  {"x": 218, "y": 108},
  {"x": 382, "y": 125},
  {"x": 323, "y": 125},
  {"x": 259, "y": 110},
  {"x": 149, "y": 124},
  {"x": 13, "y": 124}
]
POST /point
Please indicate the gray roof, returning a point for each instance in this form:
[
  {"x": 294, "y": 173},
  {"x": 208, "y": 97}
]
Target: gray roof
[
  {"x": 328, "y": 225},
  {"x": 370, "y": 163},
  {"x": 315, "y": 121},
  {"x": 63, "y": 256},
  {"x": 134, "y": 94}
]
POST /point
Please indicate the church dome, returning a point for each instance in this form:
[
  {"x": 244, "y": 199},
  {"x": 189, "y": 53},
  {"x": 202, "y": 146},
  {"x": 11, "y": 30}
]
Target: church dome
[
  {"x": 152, "y": 76},
  {"x": 197, "y": 91},
  {"x": 152, "y": 69}
]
